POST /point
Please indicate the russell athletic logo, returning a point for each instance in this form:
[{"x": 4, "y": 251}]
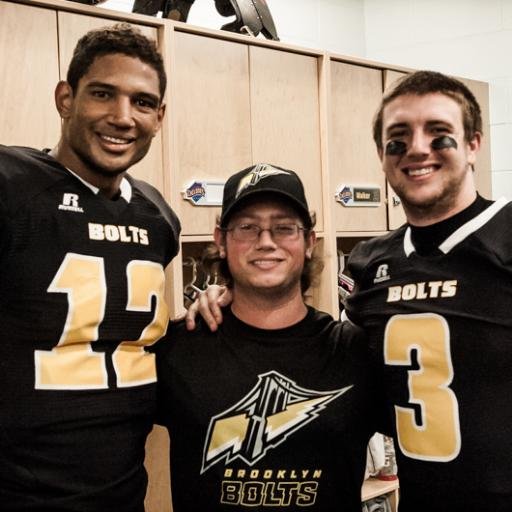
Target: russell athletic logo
[
  {"x": 382, "y": 274},
  {"x": 273, "y": 410},
  {"x": 70, "y": 203}
]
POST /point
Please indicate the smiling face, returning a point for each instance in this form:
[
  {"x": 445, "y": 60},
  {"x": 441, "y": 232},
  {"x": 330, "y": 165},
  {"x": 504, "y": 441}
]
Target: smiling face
[
  {"x": 263, "y": 267},
  {"x": 433, "y": 184},
  {"x": 110, "y": 120}
]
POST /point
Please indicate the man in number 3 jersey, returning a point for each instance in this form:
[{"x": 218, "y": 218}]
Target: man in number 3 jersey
[
  {"x": 434, "y": 297},
  {"x": 83, "y": 248}
]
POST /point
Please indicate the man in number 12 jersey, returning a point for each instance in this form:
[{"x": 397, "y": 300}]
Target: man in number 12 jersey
[{"x": 83, "y": 247}]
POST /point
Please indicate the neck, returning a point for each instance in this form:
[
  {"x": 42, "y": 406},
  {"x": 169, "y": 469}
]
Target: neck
[
  {"x": 443, "y": 208},
  {"x": 108, "y": 185},
  {"x": 268, "y": 311}
]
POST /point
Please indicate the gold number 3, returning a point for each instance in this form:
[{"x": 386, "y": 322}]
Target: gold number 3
[
  {"x": 72, "y": 364},
  {"x": 437, "y": 438}
]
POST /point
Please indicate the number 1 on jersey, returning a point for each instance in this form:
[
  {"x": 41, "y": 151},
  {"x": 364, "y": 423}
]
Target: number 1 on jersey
[{"x": 437, "y": 436}]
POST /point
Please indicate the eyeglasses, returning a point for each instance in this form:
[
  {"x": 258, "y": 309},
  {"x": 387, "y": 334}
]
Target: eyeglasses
[{"x": 252, "y": 232}]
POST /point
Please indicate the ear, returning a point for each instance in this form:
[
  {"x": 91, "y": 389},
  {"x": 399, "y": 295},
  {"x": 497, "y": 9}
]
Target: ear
[
  {"x": 219, "y": 237},
  {"x": 474, "y": 147},
  {"x": 310, "y": 244},
  {"x": 160, "y": 117},
  {"x": 64, "y": 99}
]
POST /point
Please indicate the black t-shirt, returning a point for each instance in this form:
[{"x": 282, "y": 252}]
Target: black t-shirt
[
  {"x": 81, "y": 295},
  {"x": 267, "y": 419},
  {"x": 439, "y": 319}
]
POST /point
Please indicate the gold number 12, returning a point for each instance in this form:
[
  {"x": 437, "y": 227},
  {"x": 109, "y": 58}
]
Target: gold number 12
[{"x": 72, "y": 364}]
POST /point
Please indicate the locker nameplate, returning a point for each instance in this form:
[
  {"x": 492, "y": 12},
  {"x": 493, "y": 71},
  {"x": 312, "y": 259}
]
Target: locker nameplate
[
  {"x": 358, "y": 195},
  {"x": 204, "y": 193}
]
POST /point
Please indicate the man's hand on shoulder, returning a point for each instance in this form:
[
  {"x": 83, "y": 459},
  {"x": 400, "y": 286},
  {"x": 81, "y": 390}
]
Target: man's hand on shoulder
[{"x": 208, "y": 304}]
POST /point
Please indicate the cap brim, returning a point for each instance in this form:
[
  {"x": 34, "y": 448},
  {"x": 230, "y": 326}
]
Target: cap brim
[{"x": 303, "y": 212}]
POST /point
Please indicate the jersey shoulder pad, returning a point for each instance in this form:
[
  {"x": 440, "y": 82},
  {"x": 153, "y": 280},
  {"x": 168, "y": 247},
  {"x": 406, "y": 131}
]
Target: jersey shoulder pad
[
  {"x": 494, "y": 235},
  {"x": 26, "y": 172},
  {"x": 154, "y": 196},
  {"x": 367, "y": 251}
]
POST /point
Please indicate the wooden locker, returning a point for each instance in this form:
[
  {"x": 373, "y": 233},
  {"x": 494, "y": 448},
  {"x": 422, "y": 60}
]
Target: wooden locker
[
  {"x": 212, "y": 120},
  {"x": 285, "y": 117},
  {"x": 483, "y": 179},
  {"x": 29, "y": 59},
  {"x": 355, "y": 95},
  {"x": 396, "y": 214}
]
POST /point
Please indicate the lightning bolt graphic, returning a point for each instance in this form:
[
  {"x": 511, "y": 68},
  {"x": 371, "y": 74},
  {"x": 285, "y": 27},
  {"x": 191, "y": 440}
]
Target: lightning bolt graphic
[
  {"x": 227, "y": 435},
  {"x": 273, "y": 410},
  {"x": 302, "y": 412}
]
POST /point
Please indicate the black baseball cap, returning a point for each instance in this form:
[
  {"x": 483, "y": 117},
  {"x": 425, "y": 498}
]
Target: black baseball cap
[{"x": 260, "y": 179}]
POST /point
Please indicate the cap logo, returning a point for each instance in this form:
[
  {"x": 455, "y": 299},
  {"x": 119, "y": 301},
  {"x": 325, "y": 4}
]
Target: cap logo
[{"x": 260, "y": 172}]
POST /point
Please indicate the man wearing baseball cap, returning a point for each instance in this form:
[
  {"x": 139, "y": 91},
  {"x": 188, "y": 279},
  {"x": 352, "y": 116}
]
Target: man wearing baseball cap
[{"x": 276, "y": 407}]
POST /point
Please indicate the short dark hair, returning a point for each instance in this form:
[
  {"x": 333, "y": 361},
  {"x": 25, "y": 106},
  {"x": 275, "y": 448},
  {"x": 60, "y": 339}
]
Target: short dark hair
[
  {"x": 426, "y": 82},
  {"x": 119, "y": 38},
  {"x": 218, "y": 267}
]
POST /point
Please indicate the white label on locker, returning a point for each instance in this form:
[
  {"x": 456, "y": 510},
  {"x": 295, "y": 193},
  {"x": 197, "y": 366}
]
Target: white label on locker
[
  {"x": 358, "y": 195},
  {"x": 204, "y": 193}
]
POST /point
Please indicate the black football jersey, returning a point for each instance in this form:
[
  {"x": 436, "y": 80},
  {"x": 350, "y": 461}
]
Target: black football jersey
[
  {"x": 267, "y": 419},
  {"x": 441, "y": 325},
  {"x": 81, "y": 297}
]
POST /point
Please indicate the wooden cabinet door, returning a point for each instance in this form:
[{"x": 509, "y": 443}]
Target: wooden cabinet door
[
  {"x": 355, "y": 95},
  {"x": 73, "y": 26},
  {"x": 483, "y": 162},
  {"x": 212, "y": 119},
  {"x": 285, "y": 118},
  {"x": 396, "y": 214},
  {"x": 30, "y": 72}
]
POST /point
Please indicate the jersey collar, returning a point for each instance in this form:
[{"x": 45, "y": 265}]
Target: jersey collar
[
  {"x": 461, "y": 233},
  {"x": 124, "y": 187}
]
